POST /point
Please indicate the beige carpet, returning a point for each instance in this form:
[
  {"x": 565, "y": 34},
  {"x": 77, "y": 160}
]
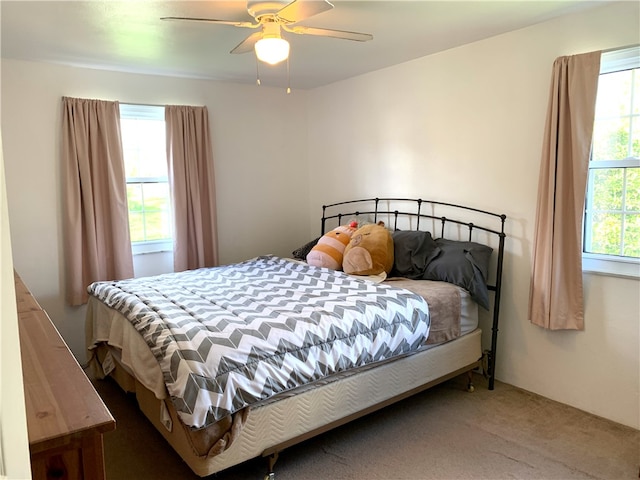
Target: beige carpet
[{"x": 443, "y": 433}]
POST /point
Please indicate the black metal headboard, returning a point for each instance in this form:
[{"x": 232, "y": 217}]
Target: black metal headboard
[{"x": 442, "y": 219}]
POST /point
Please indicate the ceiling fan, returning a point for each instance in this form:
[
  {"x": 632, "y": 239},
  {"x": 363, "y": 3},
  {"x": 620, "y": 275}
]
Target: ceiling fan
[{"x": 271, "y": 17}]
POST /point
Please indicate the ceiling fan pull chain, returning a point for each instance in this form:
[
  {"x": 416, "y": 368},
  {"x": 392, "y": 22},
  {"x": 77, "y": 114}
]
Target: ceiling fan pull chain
[
  {"x": 288, "y": 78},
  {"x": 257, "y": 72}
]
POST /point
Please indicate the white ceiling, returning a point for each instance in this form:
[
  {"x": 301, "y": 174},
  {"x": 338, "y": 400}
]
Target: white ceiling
[{"x": 129, "y": 35}]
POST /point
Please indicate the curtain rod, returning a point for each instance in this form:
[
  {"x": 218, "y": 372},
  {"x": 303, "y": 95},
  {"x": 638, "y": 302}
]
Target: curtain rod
[{"x": 156, "y": 105}]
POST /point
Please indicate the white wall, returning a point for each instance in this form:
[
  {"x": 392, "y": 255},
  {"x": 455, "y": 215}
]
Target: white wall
[
  {"x": 14, "y": 445},
  {"x": 258, "y": 134},
  {"x": 466, "y": 126}
]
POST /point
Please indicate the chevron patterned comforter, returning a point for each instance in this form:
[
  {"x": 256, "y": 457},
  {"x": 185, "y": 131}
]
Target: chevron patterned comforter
[{"x": 230, "y": 336}]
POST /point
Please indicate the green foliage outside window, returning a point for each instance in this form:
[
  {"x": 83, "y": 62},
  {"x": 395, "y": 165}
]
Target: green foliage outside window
[
  {"x": 148, "y": 198},
  {"x": 615, "y": 145},
  {"x": 613, "y": 206},
  {"x": 615, "y": 211},
  {"x": 149, "y": 208}
]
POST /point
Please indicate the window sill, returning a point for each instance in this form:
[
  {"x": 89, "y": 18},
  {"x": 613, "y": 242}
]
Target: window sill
[
  {"x": 151, "y": 252},
  {"x": 612, "y": 267},
  {"x": 145, "y": 248}
]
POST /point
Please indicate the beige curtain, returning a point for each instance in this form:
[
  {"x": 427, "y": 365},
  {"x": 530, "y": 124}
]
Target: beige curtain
[
  {"x": 556, "y": 298},
  {"x": 96, "y": 219},
  {"x": 192, "y": 187}
]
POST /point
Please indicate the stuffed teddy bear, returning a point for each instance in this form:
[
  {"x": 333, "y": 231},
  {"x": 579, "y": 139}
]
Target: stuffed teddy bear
[
  {"x": 370, "y": 251},
  {"x": 330, "y": 247}
]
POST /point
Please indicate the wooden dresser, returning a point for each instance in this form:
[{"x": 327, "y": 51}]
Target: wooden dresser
[{"x": 66, "y": 417}]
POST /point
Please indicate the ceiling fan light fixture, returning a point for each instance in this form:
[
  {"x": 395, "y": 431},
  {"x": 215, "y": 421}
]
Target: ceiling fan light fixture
[{"x": 272, "y": 50}]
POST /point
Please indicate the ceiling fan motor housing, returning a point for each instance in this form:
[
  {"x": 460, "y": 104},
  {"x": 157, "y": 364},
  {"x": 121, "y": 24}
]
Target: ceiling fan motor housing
[{"x": 258, "y": 8}]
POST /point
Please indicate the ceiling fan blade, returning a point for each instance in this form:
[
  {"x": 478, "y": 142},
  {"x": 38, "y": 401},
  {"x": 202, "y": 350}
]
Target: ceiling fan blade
[
  {"x": 325, "y": 32},
  {"x": 248, "y": 43},
  {"x": 213, "y": 20},
  {"x": 299, "y": 10}
]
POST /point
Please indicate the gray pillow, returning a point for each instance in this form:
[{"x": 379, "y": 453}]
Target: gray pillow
[
  {"x": 465, "y": 264},
  {"x": 301, "y": 253},
  {"x": 412, "y": 251}
]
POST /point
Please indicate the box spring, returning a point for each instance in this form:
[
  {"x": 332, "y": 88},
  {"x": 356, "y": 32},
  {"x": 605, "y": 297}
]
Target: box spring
[{"x": 275, "y": 425}]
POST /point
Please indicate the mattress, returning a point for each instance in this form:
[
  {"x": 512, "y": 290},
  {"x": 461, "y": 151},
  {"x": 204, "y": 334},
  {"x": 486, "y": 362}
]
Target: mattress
[
  {"x": 106, "y": 325},
  {"x": 122, "y": 352}
]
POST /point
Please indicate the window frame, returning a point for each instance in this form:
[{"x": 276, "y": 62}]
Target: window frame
[
  {"x": 147, "y": 112},
  {"x": 603, "y": 264}
]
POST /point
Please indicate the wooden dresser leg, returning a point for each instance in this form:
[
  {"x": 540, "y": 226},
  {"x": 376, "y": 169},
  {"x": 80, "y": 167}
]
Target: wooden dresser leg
[{"x": 93, "y": 458}]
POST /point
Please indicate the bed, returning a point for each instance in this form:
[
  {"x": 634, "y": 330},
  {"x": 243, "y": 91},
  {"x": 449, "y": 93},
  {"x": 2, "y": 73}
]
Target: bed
[{"x": 245, "y": 360}]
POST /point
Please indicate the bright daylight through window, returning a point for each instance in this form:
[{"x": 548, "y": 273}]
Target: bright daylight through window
[
  {"x": 612, "y": 210},
  {"x": 144, "y": 148}
]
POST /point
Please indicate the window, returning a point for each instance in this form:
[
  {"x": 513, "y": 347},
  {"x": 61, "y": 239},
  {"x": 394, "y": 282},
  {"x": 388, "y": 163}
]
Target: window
[
  {"x": 612, "y": 208},
  {"x": 145, "y": 160}
]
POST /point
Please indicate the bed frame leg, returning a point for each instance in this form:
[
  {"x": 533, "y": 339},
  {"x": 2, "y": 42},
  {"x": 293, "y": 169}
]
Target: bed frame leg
[
  {"x": 470, "y": 387},
  {"x": 271, "y": 461}
]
